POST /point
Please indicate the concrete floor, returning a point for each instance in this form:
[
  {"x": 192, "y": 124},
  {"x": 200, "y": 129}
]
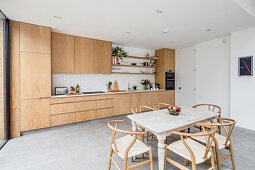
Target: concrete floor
[{"x": 85, "y": 146}]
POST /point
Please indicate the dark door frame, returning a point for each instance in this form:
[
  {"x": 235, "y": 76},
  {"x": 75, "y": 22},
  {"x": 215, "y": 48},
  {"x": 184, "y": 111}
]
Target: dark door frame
[{"x": 6, "y": 73}]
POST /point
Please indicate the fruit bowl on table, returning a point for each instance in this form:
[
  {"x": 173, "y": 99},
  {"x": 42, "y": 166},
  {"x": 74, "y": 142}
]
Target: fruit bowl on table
[{"x": 174, "y": 110}]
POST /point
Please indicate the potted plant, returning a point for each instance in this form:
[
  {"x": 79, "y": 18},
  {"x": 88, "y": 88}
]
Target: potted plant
[
  {"x": 118, "y": 52},
  {"x": 145, "y": 83},
  {"x": 109, "y": 84},
  {"x": 134, "y": 87}
]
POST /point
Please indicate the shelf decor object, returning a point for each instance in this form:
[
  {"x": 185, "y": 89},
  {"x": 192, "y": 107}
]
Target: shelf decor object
[
  {"x": 118, "y": 52},
  {"x": 245, "y": 66},
  {"x": 145, "y": 83}
]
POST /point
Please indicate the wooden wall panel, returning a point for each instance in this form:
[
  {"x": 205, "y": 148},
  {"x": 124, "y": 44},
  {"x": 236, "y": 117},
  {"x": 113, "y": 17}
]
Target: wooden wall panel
[{"x": 62, "y": 53}]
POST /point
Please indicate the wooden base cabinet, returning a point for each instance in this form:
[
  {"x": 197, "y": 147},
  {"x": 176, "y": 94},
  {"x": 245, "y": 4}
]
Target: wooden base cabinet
[
  {"x": 35, "y": 114},
  {"x": 101, "y": 113},
  {"x": 86, "y": 115},
  {"x": 124, "y": 103},
  {"x": 62, "y": 119}
]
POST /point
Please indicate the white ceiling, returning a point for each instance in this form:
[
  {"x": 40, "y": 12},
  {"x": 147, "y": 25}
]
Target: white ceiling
[{"x": 186, "y": 20}]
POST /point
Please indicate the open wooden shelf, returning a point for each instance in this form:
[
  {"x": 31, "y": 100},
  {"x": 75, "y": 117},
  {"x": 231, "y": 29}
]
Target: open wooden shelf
[
  {"x": 121, "y": 65},
  {"x": 142, "y": 58},
  {"x": 131, "y": 73}
]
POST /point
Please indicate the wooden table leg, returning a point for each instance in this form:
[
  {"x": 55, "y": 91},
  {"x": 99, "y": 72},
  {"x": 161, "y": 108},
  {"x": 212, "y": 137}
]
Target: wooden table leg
[{"x": 161, "y": 150}]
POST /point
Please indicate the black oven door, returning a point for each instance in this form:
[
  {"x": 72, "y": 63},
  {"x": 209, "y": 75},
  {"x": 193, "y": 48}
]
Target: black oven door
[{"x": 170, "y": 84}]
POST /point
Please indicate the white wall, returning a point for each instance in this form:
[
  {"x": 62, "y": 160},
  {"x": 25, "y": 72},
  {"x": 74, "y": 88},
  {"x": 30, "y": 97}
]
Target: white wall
[
  {"x": 242, "y": 88},
  {"x": 213, "y": 73},
  {"x": 93, "y": 82},
  {"x": 185, "y": 64}
]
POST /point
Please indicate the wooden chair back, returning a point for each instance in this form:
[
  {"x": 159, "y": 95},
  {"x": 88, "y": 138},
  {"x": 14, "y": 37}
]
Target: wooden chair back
[
  {"x": 211, "y": 107},
  {"x": 113, "y": 126},
  {"x": 139, "y": 109},
  {"x": 208, "y": 132},
  {"x": 157, "y": 106},
  {"x": 228, "y": 126}
]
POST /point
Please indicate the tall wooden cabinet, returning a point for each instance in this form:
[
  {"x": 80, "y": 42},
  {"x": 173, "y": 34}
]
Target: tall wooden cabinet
[
  {"x": 62, "y": 53},
  {"x": 30, "y": 76},
  {"x": 165, "y": 62}
]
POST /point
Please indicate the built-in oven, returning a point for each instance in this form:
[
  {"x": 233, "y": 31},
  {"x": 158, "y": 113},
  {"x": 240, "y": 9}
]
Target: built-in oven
[{"x": 170, "y": 80}]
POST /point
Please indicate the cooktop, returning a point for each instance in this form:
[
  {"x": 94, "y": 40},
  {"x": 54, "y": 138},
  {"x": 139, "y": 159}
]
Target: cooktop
[{"x": 92, "y": 92}]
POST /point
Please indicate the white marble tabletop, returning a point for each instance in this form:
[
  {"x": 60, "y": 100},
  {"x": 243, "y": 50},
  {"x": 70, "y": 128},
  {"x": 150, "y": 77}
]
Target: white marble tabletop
[{"x": 161, "y": 121}]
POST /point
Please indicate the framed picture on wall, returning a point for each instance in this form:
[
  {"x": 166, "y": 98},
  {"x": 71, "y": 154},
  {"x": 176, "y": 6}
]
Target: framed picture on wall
[{"x": 246, "y": 66}]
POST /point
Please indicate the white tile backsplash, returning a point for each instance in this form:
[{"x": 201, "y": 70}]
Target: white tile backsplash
[{"x": 94, "y": 82}]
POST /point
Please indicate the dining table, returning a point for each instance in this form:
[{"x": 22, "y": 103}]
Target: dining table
[{"x": 162, "y": 124}]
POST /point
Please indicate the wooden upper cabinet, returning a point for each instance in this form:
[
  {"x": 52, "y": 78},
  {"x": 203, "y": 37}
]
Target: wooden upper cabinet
[
  {"x": 35, "y": 38},
  {"x": 35, "y": 75},
  {"x": 84, "y": 55},
  {"x": 102, "y": 56},
  {"x": 169, "y": 57},
  {"x": 62, "y": 53},
  {"x": 35, "y": 114}
]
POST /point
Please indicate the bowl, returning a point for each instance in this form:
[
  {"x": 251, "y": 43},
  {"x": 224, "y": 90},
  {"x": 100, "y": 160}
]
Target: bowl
[{"x": 174, "y": 111}]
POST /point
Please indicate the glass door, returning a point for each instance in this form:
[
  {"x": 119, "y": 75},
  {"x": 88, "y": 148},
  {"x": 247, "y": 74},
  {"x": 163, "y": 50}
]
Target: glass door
[{"x": 4, "y": 80}]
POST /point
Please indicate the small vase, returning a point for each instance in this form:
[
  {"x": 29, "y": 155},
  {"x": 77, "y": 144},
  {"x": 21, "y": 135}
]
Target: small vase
[
  {"x": 145, "y": 88},
  {"x": 109, "y": 89}
]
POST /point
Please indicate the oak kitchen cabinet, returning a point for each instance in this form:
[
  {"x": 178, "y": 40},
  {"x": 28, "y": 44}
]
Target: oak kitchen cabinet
[
  {"x": 35, "y": 75},
  {"x": 84, "y": 55},
  {"x": 102, "y": 51},
  {"x": 33, "y": 83},
  {"x": 35, "y": 38},
  {"x": 35, "y": 114},
  {"x": 124, "y": 103},
  {"x": 81, "y": 55},
  {"x": 62, "y": 53},
  {"x": 165, "y": 62}
]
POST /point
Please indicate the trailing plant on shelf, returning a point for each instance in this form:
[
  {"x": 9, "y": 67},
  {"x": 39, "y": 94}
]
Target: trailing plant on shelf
[
  {"x": 119, "y": 52},
  {"x": 109, "y": 84},
  {"x": 145, "y": 83}
]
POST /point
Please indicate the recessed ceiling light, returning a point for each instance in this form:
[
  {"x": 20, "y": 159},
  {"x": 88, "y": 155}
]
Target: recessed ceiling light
[
  {"x": 165, "y": 31},
  {"x": 159, "y": 11},
  {"x": 128, "y": 32},
  {"x": 57, "y": 17},
  {"x": 208, "y": 30}
]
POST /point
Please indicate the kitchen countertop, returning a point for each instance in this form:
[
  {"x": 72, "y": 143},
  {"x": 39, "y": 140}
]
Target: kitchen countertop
[{"x": 96, "y": 94}]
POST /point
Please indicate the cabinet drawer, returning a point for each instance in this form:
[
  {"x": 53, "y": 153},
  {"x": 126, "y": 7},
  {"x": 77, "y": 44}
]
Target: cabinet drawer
[
  {"x": 105, "y": 103},
  {"x": 101, "y": 113},
  {"x": 85, "y": 115},
  {"x": 111, "y": 96},
  {"x": 86, "y": 105},
  {"x": 62, "y": 108},
  {"x": 86, "y": 98},
  {"x": 62, "y": 100},
  {"x": 62, "y": 119}
]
